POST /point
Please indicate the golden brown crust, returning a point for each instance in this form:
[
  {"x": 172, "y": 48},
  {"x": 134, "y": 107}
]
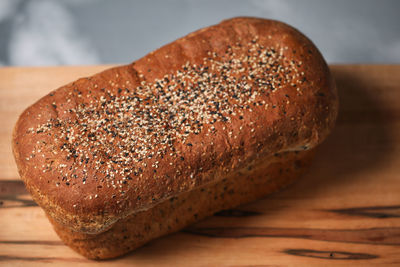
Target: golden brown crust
[
  {"x": 294, "y": 107},
  {"x": 174, "y": 214}
]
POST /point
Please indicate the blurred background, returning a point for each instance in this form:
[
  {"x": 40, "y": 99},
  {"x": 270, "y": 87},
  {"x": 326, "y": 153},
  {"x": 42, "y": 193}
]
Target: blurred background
[{"x": 72, "y": 32}]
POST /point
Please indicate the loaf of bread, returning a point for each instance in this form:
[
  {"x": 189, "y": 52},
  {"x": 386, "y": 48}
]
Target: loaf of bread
[{"x": 215, "y": 119}]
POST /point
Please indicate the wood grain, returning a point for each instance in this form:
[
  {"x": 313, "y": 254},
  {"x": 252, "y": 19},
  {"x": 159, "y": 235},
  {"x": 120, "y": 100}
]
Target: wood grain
[{"x": 346, "y": 210}]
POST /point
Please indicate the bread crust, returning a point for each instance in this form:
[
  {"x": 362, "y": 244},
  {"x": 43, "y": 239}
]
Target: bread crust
[{"x": 292, "y": 107}]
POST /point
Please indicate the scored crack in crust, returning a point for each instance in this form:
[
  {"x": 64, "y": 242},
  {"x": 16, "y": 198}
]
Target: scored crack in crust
[{"x": 122, "y": 141}]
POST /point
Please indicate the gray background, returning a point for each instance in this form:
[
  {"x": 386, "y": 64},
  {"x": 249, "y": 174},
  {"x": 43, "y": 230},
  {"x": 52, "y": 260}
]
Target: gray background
[{"x": 65, "y": 32}]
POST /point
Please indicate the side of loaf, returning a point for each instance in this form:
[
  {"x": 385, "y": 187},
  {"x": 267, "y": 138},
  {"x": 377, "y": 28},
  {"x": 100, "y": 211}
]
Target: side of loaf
[
  {"x": 172, "y": 215},
  {"x": 102, "y": 149}
]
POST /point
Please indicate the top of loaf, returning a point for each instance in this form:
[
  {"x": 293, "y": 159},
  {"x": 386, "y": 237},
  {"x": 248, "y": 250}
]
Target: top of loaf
[{"x": 125, "y": 139}]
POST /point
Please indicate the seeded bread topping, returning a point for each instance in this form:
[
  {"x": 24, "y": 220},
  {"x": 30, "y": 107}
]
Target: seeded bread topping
[
  {"x": 187, "y": 115},
  {"x": 116, "y": 133}
]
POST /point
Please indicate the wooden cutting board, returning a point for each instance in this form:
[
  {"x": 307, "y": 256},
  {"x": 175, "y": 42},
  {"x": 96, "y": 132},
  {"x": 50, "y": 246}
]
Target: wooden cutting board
[{"x": 346, "y": 210}]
